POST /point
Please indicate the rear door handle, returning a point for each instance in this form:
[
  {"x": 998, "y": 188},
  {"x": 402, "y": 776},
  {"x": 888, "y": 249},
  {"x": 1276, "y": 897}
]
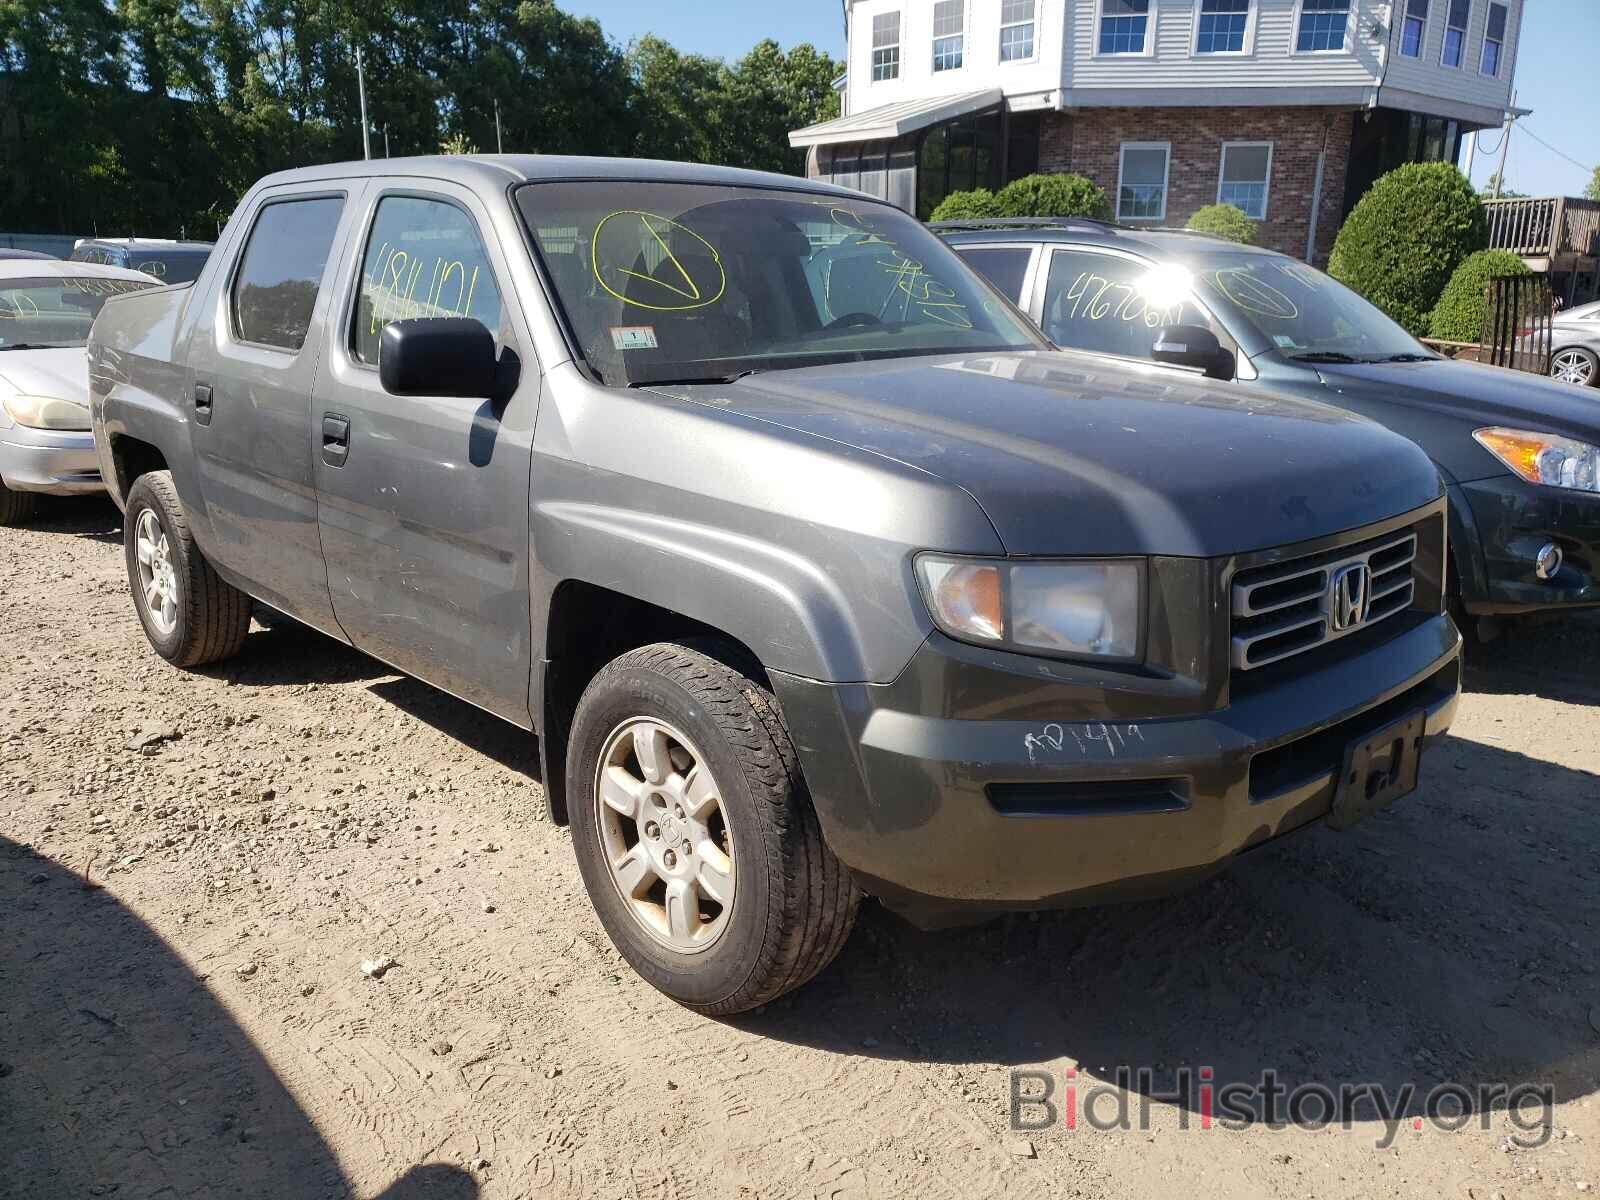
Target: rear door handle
[
  {"x": 335, "y": 439},
  {"x": 202, "y": 404}
]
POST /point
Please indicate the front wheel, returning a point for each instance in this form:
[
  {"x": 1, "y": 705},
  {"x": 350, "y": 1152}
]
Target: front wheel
[
  {"x": 16, "y": 507},
  {"x": 190, "y": 615},
  {"x": 695, "y": 834},
  {"x": 1575, "y": 365}
]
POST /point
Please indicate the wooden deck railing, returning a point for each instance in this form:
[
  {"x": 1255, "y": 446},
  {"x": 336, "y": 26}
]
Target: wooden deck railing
[{"x": 1544, "y": 226}]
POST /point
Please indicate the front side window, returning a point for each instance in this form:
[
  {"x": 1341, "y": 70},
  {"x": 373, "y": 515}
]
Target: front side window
[
  {"x": 423, "y": 259},
  {"x": 1115, "y": 305},
  {"x": 949, "y": 37},
  {"x": 1004, "y": 266},
  {"x": 1306, "y": 315},
  {"x": 1246, "y": 169},
  {"x": 1142, "y": 181},
  {"x": 281, "y": 271},
  {"x": 687, "y": 282},
  {"x": 1455, "y": 33},
  {"x": 1414, "y": 28},
  {"x": 1124, "y": 26},
  {"x": 885, "y": 46},
  {"x": 1494, "y": 40},
  {"x": 1016, "y": 30},
  {"x": 53, "y": 311},
  {"x": 1221, "y": 27},
  {"x": 1322, "y": 25}
]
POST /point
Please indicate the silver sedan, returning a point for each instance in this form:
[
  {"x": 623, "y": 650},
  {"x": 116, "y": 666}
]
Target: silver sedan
[{"x": 1575, "y": 345}]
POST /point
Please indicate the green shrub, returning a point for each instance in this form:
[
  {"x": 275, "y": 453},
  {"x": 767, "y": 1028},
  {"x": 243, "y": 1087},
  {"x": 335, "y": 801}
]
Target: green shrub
[
  {"x": 1403, "y": 239},
  {"x": 1458, "y": 317},
  {"x": 967, "y": 206},
  {"x": 1224, "y": 221},
  {"x": 1064, "y": 195}
]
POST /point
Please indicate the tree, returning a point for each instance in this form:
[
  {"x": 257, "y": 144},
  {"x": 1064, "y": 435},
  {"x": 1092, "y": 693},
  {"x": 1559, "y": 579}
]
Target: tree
[
  {"x": 1591, "y": 190},
  {"x": 1403, "y": 239},
  {"x": 1063, "y": 195},
  {"x": 1505, "y": 193},
  {"x": 1224, "y": 221},
  {"x": 1458, "y": 317}
]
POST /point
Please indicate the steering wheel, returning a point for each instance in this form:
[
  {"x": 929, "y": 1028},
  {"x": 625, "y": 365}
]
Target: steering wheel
[{"x": 852, "y": 319}]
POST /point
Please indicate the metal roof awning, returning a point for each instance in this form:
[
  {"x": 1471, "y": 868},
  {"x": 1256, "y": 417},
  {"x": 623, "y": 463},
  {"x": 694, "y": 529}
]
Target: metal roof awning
[{"x": 894, "y": 120}]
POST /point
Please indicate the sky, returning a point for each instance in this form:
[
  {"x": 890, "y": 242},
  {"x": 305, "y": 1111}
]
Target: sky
[{"x": 1560, "y": 41}]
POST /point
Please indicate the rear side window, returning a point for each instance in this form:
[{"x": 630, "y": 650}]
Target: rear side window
[
  {"x": 1004, "y": 266},
  {"x": 423, "y": 259},
  {"x": 281, "y": 272}
]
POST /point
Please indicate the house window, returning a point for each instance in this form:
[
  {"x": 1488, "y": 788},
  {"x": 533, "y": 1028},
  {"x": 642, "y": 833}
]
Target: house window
[
  {"x": 1016, "y": 30},
  {"x": 1494, "y": 38},
  {"x": 885, "y": 46},
  {"x": 949, "y": 37},
  {"x": 1124, "y": 26},
  {"x": 1455, "y": 33},
  {"x": 1220, "y": 29},
  {"x": 1414, "y": 28},
  {"x": 1142, "y": 180},
  {"x": 1246, "y": 168},
  {"x": 1322, "y": 25}
]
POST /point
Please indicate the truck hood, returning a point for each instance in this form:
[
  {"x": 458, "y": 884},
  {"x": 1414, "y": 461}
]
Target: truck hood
[
  {"x": 1070, "y": 454},
  {"x": 61, "y": 372},
  {"x": 1475, "y": 394}
]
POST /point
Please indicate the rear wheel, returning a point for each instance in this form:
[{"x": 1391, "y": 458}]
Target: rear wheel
[
  {"x": 695, "y": 834},
  {"x": 16, "y": 507},
  {"x": 190, "y": 615},
  {"x": 1575, "y": 365}
]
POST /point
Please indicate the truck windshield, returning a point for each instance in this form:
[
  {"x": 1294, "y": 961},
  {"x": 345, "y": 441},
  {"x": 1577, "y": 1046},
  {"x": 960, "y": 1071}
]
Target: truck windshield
[
  {"x": 49, "y": 312},
  {"x": 688, "y": 283},
  {"x": 1304, "y": 314}
]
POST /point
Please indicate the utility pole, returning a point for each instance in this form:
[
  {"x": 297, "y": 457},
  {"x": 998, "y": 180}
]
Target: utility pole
[
  {"x": 386, "y": 139},
  {"x": 361, "y": 87},
  {"x": 499, "y": 142},
  {"x": 1505, "y": 144}
]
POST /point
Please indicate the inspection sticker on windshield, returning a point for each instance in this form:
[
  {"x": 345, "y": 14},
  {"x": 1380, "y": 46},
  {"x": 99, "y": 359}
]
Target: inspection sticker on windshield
[
  {"x": 1285, "y": 342},
  {"x": 633, "y": 337}
]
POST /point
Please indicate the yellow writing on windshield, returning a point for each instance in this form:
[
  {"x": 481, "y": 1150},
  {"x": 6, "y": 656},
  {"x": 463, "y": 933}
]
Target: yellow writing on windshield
[
  {"x": 1240, "y": 285},
  {"x": 633, "y": 258}
]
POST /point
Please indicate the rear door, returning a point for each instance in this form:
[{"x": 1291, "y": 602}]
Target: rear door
[
  {"x": 423, "y": 501},
  {"x": 255, "y": 354}
]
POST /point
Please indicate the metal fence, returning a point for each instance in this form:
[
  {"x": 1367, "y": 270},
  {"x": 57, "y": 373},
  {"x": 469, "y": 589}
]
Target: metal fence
[{"x": 1516, "y": 323}]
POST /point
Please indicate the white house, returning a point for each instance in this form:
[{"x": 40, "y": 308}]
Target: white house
[{"x": 1286, "y": 108}]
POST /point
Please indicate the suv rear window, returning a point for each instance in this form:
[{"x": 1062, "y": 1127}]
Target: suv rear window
[{"x": 281, "y": 272}]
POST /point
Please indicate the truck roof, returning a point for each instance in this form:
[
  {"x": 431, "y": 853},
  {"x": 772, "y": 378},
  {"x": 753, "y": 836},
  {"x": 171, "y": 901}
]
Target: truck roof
[{"x": 501, "y": 170}]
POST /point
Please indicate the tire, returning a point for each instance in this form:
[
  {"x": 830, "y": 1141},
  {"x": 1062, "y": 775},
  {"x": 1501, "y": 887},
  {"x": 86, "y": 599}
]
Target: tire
[
  {"x": 16, "y": 507},
  {"x": 206, "y": 619},
  {"x": 1574, "y": 364},
  {"x": 790, "y": 902}
]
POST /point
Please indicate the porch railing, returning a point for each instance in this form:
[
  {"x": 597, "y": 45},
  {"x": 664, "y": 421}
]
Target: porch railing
[{"x": 1544, "y": 226}]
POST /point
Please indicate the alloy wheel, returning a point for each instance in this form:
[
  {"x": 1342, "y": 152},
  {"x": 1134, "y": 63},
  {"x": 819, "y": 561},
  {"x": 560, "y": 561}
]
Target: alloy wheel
[
  {"x": 1573, "y": 366},
  {"x": 157, "y": 577}
]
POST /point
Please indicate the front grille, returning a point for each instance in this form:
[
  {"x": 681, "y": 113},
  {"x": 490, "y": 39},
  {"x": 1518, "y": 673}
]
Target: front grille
[{"x": 1287, "y": 608}]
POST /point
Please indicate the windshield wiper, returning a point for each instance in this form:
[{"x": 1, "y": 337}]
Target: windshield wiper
[
  {"x": 1325, "y": 356},
  {"x": 1407, "y": 356},
  {"x": 688, "y": 379},
  {"x": 34, "y": 346}
]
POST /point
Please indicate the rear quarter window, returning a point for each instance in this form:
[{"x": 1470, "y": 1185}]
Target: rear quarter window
[
  {"x": 281, "y": 271},
  {"x": 1004, "y": 266}
]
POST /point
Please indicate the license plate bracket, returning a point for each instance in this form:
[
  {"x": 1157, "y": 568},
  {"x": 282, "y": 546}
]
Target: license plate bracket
[{"x": 1378, "y": 770}]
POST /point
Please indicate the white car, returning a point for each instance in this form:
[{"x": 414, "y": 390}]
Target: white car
[{"x": 46, "y": 308}]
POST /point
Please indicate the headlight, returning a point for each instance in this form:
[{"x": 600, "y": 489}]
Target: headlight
[
  {"x": 1080, "y": 608},
  {"x": 48, "y": 412},
  {"x": 1544, "y": 457}
]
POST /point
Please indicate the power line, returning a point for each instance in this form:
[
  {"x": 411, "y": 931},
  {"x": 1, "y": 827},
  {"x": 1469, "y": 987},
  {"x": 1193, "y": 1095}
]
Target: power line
[{"x": 1553, "y": 150}]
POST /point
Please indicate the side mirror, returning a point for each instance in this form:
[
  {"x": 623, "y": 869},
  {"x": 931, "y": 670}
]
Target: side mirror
[
  {"x": 437, "y": 356},
  {"x": 1194, "y": 346}
]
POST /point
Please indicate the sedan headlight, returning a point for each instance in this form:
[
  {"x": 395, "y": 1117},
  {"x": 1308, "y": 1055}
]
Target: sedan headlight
[
  {"x": 48, "y": 412},
  {"x": 1544, "y": 457},
  {"x": 1078, "y": 609}
]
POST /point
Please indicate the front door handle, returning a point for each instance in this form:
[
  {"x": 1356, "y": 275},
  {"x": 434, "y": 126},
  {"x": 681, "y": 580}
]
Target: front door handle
[
  {"x": 202, "y": 404},
  {"x": 335, "y": 439}
]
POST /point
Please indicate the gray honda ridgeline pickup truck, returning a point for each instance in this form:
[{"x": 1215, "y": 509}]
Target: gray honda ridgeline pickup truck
[{"x": 815, "y": 571}]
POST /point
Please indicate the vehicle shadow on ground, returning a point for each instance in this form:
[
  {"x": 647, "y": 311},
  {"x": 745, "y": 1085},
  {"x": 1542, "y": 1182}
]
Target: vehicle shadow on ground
[
  {"x": 1451, "y": 938},
  {"x": 1557, "y": 659},
  {"x": 92, "y": 517},
  {"x": 121, "y": 1073}
]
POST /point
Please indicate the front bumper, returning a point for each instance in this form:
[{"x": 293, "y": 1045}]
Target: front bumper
[
  {"x": 1512, "y": 520},
  {"x": 40, "y": 460},
  {"x": 946, "y": 817}
]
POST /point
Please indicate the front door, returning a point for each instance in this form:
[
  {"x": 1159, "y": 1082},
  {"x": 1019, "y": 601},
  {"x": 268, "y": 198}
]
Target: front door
[{"x": 422, "y": 502}]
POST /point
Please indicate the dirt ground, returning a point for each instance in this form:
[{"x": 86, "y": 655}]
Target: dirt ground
[{"x": 198, "y": 1024}]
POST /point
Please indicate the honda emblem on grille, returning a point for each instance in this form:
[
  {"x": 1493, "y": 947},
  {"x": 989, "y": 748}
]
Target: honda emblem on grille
[{"x": 1347, "y": 597}]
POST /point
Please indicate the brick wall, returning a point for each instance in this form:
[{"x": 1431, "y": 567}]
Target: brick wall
[{"x": 1089, "y": 142}]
